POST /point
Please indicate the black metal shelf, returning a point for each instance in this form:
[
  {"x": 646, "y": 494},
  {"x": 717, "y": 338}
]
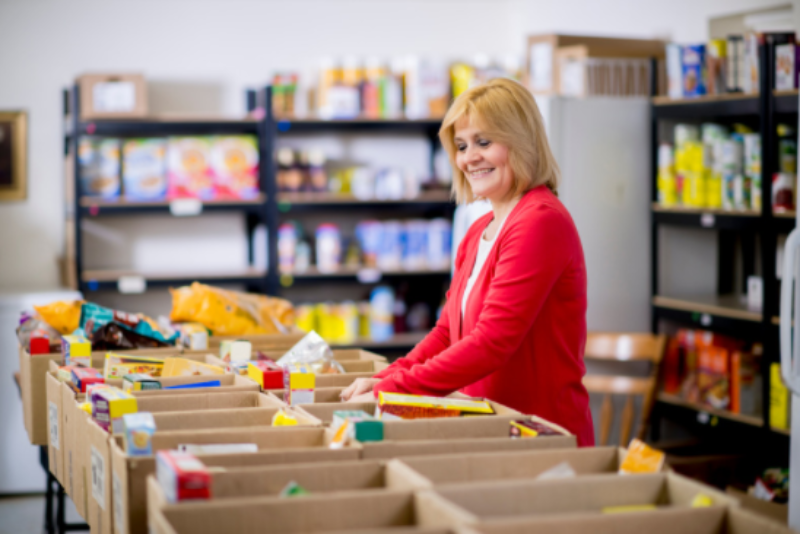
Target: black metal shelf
[
  {"x": 785, "y": 101},
  {"x": 738, "y": 328},
  {"x": 165, "y": 127},
  {"x": 324, "y": 201},
  {"x": 91, "y": 207},
  {"x": 307, "y": 126},
  {"x": 361, "y": 274},
  {"x": 710, "y": 219},
  {"x": 109, "y": 280},
  {"x": 706, "y": 107}
]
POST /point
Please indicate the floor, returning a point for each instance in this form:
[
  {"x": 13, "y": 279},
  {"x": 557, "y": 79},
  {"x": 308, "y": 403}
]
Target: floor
[{"x": 25, "y": 514}]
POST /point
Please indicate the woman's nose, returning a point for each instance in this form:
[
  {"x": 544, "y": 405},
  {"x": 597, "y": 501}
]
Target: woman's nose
[{"x": 473, "y": 155}]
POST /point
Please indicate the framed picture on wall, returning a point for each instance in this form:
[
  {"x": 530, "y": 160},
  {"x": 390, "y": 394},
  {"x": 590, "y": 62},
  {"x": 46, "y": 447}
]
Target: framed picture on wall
[{"x": 13, "y": 155}]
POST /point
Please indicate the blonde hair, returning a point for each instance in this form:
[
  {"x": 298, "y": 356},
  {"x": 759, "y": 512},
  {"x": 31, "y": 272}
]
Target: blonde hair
[{"x": 506, "y": 113}]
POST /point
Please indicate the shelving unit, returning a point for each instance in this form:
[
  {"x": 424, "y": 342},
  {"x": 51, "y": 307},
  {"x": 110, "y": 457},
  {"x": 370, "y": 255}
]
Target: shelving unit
[
  {"x": 268, "y": 208},
  {"x": 723, "y": 312}
]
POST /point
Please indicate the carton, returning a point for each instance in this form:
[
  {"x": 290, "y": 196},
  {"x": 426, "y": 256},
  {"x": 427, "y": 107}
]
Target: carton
[
  {"x": 776, "y": 511},
  {"x": 589, "y": 494},
  {"x": 112, "y": 96},
  {"x": 432, "y": 471},
  {"x": 275, "y": 446},
  {"x": 204, "y": 411},
  {"x": 55, "y": 427},
  {"x": 714, "y": 520},
  {"x": 455, "y": 435},
  {"x": 321, "y": 395},
  {"x": 365, "y": 511},
  {"x": 269, "y": 481}
]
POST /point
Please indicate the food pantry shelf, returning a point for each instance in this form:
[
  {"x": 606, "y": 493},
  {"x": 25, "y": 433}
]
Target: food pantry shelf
[
  {"x": 706, "y": 107},
  {"x": 675, "y": 400},
  {"x": 93, "y": 207},
  {"x": 365, "y": 274},
  {"x": 722, "y": 314},
  {"x": 720, "y": 305},
  {"x": 131, "y": 281},
  {"x": 357, "y": 125},
  {"x": 707, "y": 218},
  {"x": 159, "y": 127},
  {"x": 287, "y": 201},
  {"x": 402, "y": 340},
  {"x": 786, "y": 101}
]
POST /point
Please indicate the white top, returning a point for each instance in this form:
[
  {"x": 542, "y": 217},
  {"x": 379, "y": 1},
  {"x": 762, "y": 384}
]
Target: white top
[{"x": 484, "y": 248}]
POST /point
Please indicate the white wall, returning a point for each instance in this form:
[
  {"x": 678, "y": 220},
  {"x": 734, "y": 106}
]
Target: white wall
[{"x": 217, "y": 48}]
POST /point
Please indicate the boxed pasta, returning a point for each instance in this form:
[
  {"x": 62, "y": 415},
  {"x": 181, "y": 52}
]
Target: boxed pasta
[
  {"x": 144, "y": 169},
  {"x": 189, "y": 173},
  {"x": 234, "y": 166},
  {"x": 98, "y": 165}
]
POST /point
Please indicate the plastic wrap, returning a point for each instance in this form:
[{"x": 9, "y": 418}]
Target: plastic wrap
[
  {"x": 313, "y": 351},
  {"x": 226, "y": 312}
]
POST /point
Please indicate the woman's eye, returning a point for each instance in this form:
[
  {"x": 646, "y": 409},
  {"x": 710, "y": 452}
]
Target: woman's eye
[
  {"x": 461, "y": 148},
  {"x": 484, "y": 143}
]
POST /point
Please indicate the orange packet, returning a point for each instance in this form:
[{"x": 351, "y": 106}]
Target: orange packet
[{"x": 641, "y": 459}]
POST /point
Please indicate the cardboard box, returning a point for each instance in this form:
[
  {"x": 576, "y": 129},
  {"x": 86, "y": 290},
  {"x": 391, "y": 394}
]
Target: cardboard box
[
  {"x": 541, "y": 66},
  {"x": 432, "y": 471},
  {"x": 261, "y": 341},
  {"x": 423, "y": 437},
  {"x": 321, "y": 395},
  {"x": 112, "y": 96},
  {"x": 775, "y": 511},
  {"x": 714, "y": 520},
  {"x": 55, "y": 436},
  {"x": 276, "y": 446},
  {"x": 365, "y": 511},
  {"x": 485, "y": 501},
  {"x": 97, "y": 454}
]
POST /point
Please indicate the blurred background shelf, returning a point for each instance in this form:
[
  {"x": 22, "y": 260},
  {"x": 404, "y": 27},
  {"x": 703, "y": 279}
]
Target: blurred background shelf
[{"x": 93, "y": 207}]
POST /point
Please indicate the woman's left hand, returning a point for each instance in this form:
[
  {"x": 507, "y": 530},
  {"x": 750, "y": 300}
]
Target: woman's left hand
[{"x": 364, "y": 397}]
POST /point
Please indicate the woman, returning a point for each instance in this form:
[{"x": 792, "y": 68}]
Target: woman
[{"x": 514, "y": 326}]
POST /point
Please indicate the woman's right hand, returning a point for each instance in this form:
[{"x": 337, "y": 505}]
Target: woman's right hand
[{"x": 361, "y": 385}]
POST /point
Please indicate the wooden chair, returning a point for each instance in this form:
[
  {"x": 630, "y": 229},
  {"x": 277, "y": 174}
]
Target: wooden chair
[{"x": 622, "y": 347}]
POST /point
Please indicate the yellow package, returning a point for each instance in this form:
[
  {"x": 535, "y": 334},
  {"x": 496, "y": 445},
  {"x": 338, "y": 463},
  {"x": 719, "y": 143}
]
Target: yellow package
[
  {"x": 281, "y": 418},
  {"x": 641, "y": 459},
  {"x": 701, "y": 500},
  {"x": 231, "y": 312},
  {"x": 184, "y": 367},
  {"x": 64, "y": 316}
]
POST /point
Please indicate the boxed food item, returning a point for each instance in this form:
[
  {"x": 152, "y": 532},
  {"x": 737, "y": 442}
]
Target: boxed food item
[
  {"x": 182, "y": 476},
  {"x": 76, "y": 350},
  {"x": 712, "y": 377},
  {"x": 530, "y": 428},
  {"x": 299, "y": 382},
  {"x": 694, "y": 70},
  {"x": 186, "y": 367},
  {"x": 84, "y": 376},
  {"x": 139, "y": 382},
  {"x": 39, "y": 342},
  {"x": 108, "y": 407},
  {"x": 403, "y": 406},
  {"x": 118, "y": 365},
  {"x": 188, "y": 168},
  {"x": 144, "y": 169},
  {"x": 361, "y": 426},
  {"x": 138, "y": 429},
  {"x": 266, "y": 374},
  {"x": 64, "y": 373},
  {"x": 641, "y": 459},
  {"x": 785, "y": 66},
  {"x": 112, "y": 96},
  {"x": 98, "y": 167},
  {"x": 234, "y": 164},
  {"x": 746, "y": 383},
  {"x": 235, "y": 350},
  {"x": 194, "y": 336}
]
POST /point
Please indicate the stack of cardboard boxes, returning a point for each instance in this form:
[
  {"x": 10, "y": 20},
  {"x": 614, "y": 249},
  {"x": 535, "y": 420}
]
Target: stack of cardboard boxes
[{"x": 459, "y": 474}]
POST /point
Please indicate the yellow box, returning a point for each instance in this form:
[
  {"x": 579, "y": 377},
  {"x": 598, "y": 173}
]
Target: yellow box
[
  {"x": 300, "y": 376},
  {"x": 76, "y": 350}
]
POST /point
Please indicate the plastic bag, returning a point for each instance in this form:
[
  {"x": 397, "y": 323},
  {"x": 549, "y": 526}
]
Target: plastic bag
[
  {"x": 62, "y": 315},
  {"x": 32, "y": 324},
  {"x": 313, "y": 351},
  {"x": 231, "y": 313}
]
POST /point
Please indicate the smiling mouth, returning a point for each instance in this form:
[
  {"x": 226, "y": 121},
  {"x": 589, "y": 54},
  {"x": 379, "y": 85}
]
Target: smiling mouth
[{"x": 480, "y": 172}]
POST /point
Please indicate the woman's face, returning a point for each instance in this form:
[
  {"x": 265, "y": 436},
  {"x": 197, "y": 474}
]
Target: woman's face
[{"x": 483, "y": 161}]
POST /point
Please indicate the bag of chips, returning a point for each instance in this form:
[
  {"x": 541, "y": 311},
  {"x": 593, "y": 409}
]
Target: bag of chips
[{"x": 64, "y": 316}]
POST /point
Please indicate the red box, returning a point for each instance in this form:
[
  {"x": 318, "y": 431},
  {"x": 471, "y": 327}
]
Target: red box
[
  {"x": 182, "y": 476},
  {"x": 39, "y": 342},
  {"x": 83, "y": 376},
  {"x": 266, "y": 373}
]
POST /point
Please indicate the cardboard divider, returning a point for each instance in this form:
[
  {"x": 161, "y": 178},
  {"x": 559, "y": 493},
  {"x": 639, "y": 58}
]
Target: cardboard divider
[
  {"x": 276, "y": 446},
  {"x": 714, "y": 520},
  {"x": 276, "y": 341},
  {"x": 321, "y": 395},
  {"x": 428, "y": 447},
  {"x": 353, "y": 510},
  {"x": 480, "y": 467},
  {"x": 588, "y": 494}
]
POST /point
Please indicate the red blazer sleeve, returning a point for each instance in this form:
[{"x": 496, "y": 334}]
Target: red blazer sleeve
[
  {"x": 437, "y": 339},
  {"x": 533, "y": 254}
]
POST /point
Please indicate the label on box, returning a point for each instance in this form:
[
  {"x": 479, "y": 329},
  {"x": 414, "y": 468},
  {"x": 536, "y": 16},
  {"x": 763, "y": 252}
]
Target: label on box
[
  {"x": 114, "y": 97},
  {"x": 98, "y": 478},
  {"x": 185, "y": 207},
  {"x": 116, "y": 495},
  {"x": 53, "y": 418}
]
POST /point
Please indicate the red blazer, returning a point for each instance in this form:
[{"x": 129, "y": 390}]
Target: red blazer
[{"x": 523, "y": 333}]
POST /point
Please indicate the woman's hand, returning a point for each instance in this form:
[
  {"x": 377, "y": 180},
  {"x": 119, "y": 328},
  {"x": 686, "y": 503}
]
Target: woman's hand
[
  {"x": 360, "y": 386},
  {"x": 369, "y": 396}
]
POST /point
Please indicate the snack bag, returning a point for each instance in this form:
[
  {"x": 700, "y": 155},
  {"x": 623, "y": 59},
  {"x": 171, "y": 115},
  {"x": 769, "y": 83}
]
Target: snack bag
[
  {"x": 64, "y": 316},
  {"x": 283, "y": 418},
  {"x": 188, "y": 170},
  {"x": 227, "y": 312},
  {"x": 641, "y": 459},
  {"x": 234, "y": 166},
  {"x": 93, "y": 317}
]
